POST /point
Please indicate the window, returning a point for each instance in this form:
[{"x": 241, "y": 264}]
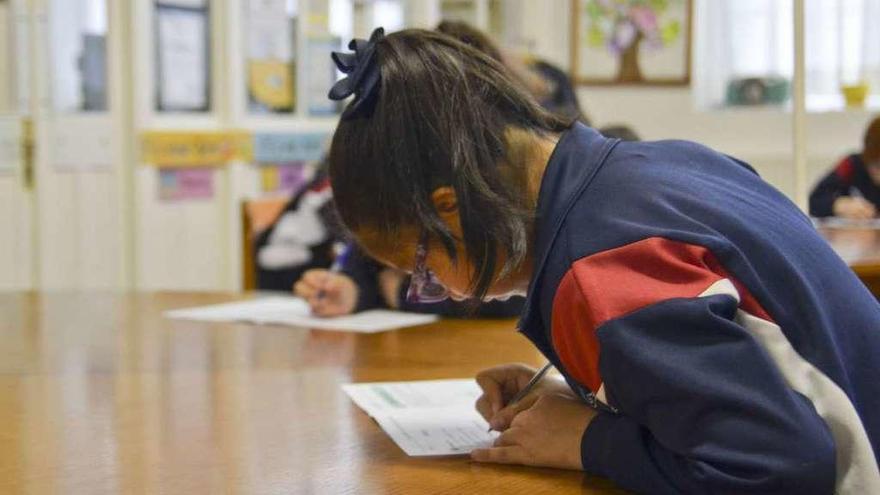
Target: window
[
  {"x": 738, "y": 40},
  {"x": 842, "y": 49},
  {"x": 741, "y": 39},
  {"x": 79, "y": 55}
]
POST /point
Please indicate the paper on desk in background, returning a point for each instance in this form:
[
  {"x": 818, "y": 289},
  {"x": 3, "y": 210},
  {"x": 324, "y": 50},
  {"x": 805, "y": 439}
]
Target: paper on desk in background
[
  {"x": 293, "y": 311},
  {"x": 426, "y": 418},
  {"x": 836, "y": 222}
]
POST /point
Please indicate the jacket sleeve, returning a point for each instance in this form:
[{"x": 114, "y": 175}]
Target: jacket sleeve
[
  {"x": 659, "y": 331},
  {"x": 704, "y": 409},
  {"x": 831, "y": 187},
  {"x": 364, "y": 272}
]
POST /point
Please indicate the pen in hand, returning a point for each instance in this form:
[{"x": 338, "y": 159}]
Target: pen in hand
[
  {"x": 529, "y": 386},
  {"x": 338, "y": 264}
]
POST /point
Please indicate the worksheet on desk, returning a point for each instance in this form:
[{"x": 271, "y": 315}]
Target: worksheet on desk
[
  {"x": 293, "y": 311},
  {"x": 426, "y": 418}
]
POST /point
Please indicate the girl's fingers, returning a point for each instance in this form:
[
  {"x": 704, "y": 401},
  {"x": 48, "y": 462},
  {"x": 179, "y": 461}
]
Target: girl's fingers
[
  {"x": 316, "y": 278},
  {"x": 508, "y": 438},
  {"x": 304, "y": 289},
  {"x": 493, "y": 398},
  {"x": 502, "y": 419}
]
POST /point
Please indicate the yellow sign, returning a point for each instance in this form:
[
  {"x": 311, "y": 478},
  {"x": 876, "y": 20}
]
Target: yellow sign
[
  {"x": 195, "y": 149},
  {"x": 270, "y": 178},
  {"x": 271, "y": 84}
]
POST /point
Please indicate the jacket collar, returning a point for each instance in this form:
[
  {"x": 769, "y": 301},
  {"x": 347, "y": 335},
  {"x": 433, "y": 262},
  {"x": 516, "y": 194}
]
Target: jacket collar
[{"x": 577, "y": 157}]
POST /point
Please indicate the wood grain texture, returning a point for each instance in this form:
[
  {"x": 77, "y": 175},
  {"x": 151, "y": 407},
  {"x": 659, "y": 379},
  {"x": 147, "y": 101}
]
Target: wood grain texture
[{"x": 99, "y": 394}]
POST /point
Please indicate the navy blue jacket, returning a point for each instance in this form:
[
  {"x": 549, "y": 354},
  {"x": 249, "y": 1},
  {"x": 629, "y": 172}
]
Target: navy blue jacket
[{"x": 728, "y": 348}]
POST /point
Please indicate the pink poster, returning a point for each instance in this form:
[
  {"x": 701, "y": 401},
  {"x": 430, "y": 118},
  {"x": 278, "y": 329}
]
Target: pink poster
[{"x": 180, "y": 184}]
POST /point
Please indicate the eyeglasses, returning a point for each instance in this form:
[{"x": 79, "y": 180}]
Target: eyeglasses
[{"x": 424, "y": 287}]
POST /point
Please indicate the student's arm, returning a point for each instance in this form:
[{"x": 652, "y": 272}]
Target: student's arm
[
  {"x": 701, "y": 376},
  {"x": 709, "y": 392},
  {"x": 833, "y": 186},
  {"x": 704, "y": 409},
  {"x": 363, "y": 271}
]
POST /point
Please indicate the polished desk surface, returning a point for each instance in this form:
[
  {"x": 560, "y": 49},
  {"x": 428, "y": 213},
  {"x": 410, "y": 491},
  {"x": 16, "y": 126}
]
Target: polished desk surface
[
  {"x": 860, "y": 249},
  {"x": 858, "y": 246},
  {"x": 100, "y": 394}
]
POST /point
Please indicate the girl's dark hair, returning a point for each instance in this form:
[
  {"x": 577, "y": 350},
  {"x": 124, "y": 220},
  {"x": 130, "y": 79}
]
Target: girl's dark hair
[
  {"x": 472, "y": 36},
  {"x": 871, "y": 152},
  {"x": 439, "y": 118}
]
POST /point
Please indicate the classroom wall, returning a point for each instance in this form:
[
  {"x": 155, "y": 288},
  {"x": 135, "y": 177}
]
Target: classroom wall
[
  {"x": 108, "y": 229},
  {"x": 762, "y": 137}
]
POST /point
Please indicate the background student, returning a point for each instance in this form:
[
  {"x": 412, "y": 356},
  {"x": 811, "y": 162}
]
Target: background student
[
  {"x": 852, "y": 188},
  {"x": 711, "y": 340},
  {"x": 296, "y": 251}
]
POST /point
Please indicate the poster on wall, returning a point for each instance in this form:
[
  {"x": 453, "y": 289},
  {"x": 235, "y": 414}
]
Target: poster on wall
[
  {"x": 271, "y": 54},
  {"x": 288, "y": 147},
  {"x": 182, "y": 184},
  {"x": 168, "y": 149},
  {"x": 631, "y": 42},
  {"x": 322, "y": 75},
  {"x": 182, "y": 56},
  {"x": 284, "y": 179}
]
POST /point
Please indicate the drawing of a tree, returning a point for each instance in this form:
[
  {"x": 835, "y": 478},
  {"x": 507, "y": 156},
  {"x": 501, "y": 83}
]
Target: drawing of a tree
[{"x": 624, "y": 26}]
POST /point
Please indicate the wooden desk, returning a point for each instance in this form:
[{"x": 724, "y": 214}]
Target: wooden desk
[
  {"x": 860, "y": 248},
  {"x": 100, "y": 394}
]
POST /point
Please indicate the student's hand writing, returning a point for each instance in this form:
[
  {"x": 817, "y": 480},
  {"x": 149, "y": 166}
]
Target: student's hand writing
[
  {"x": 340, "y": 294},
  {"x": 855, "y": 208},
  {"x": 501, "y": 383},
  {"x": 546, "y": 434}
]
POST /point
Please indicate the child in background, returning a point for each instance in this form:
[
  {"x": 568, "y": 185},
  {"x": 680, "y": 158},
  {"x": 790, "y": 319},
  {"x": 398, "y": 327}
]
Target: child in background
[
  {"x": 711, "y": 341},
  {"x": 296, "y": 250},
  {"x": 852, "y": 189}
]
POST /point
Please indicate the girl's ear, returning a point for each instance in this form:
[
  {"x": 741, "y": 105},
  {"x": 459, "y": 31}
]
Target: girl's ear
[
  {"x": 445, "y": 200},
  {"x": 446, "y": 204}
]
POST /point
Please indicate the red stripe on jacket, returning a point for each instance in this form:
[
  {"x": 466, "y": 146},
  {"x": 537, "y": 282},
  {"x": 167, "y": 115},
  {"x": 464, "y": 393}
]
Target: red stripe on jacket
[
  {"x": 845, "y": 170},
  {"x": 614, "y": 283}
]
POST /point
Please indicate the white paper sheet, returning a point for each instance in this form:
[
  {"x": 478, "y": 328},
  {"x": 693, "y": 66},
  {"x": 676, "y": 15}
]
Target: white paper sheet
[
  {"x": 835, "y": 222},
  {"x": 426, "y": 418},
  {"x": 292, "y": 311}
]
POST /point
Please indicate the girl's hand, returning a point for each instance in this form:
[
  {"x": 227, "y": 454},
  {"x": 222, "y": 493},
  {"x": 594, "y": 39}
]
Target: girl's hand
[
  {"x": 854, "y": 208},
  {"x": 546, "y": 434},
  {"x": 340, "y": 294},
  {"x": 501, "y": 383}
]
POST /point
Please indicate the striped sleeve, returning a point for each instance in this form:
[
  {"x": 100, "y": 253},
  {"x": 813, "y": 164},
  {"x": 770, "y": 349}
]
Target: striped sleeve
[{"x": 712, "y": 396}]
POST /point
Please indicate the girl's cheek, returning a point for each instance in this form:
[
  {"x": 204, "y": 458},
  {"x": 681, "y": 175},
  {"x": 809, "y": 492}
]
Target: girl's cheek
[{"x": 457, "y": 281}]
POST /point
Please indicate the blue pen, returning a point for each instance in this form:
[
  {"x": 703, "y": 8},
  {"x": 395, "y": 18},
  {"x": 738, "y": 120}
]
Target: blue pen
[{"x": 338, "y": 263}]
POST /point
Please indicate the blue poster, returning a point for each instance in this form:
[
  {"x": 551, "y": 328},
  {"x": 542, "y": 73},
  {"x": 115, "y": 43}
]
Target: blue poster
[{"x": 286, "y": 148}]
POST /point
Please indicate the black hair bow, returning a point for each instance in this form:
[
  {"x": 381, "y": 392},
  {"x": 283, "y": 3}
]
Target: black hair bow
[{"x": 363, "y": 73}]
